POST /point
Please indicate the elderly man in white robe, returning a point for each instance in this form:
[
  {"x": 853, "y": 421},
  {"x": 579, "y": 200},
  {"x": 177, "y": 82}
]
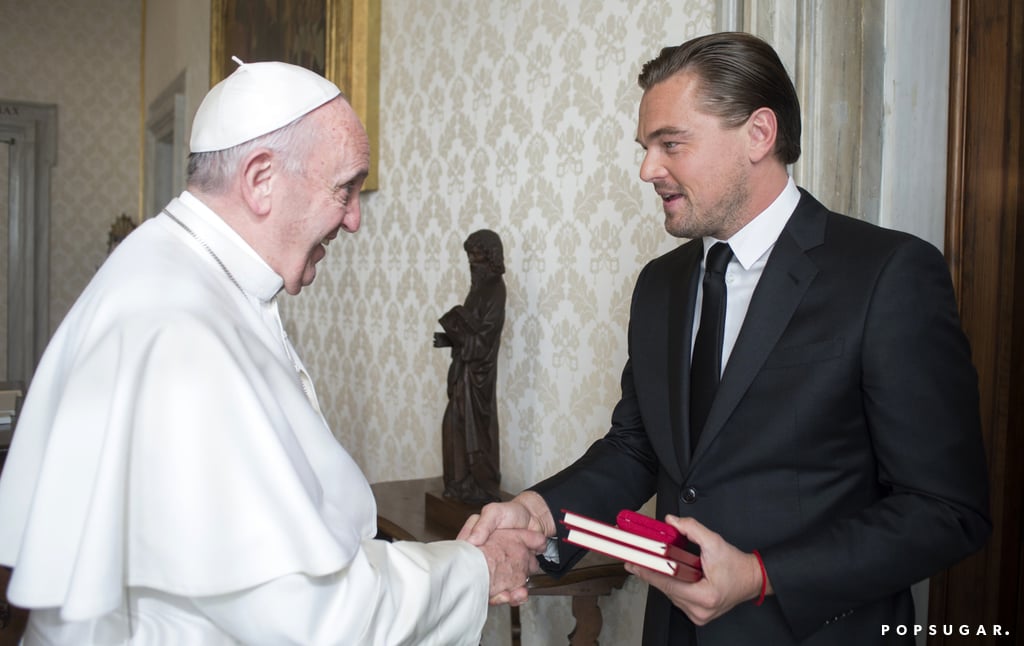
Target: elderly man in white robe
[{"x": 171, "y": 479}]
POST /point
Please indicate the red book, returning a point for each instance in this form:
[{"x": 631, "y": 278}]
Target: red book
[{"x": 637, "y": 539}]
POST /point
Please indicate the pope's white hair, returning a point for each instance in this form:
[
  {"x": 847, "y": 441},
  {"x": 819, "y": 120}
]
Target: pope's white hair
[{"x": 211, "y": 172}]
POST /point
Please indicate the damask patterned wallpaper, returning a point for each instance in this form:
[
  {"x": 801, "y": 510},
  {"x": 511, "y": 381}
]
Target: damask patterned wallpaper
[
  {"x": 519, "y": 117},
  {"x": 83, "y": 57}
]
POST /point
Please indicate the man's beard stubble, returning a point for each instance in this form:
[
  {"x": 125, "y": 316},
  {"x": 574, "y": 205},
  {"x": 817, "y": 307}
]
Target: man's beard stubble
[{"x": 719, "y": 220}]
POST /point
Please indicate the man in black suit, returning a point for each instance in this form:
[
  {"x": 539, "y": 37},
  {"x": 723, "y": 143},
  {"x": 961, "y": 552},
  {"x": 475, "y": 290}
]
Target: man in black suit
[{"x": 839, "y": 460}]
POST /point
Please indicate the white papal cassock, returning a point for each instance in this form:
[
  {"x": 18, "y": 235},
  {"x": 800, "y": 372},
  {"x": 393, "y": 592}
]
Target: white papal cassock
[{"x": 172, "y": 481}]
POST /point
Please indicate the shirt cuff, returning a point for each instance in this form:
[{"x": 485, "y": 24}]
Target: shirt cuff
[{"x": 551, "y": 551}]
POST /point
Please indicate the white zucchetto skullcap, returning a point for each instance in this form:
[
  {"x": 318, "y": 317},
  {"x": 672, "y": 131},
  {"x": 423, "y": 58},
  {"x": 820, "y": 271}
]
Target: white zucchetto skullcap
[{"x": 256, "y": 99}]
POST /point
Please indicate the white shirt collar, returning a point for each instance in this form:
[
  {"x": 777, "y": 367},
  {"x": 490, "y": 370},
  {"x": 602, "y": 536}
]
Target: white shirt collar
[{"x": 759, "y": 235}]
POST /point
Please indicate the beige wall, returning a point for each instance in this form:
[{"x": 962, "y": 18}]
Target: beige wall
[
  {"x": 177, "y": 41},
  {"x": 83, "y": 57}
]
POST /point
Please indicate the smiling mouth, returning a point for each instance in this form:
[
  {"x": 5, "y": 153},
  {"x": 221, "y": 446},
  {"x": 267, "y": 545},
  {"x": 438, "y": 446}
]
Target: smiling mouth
[
  {"x": 330, "y": 236},
  {"x": 667, "y": 196}
]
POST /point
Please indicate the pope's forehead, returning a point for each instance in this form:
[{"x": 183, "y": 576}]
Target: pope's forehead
[{"x": 341, "y": 135}]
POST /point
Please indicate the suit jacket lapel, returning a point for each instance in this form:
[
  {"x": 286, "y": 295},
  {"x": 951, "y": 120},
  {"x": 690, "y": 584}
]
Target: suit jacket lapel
[{"x": 785, "y": 279}]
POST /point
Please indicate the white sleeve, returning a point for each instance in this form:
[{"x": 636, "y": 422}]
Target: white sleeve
[{"x": 390, "y": 594}]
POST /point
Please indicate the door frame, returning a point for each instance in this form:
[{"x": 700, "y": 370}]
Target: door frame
[{"x": 985, "y": 250}]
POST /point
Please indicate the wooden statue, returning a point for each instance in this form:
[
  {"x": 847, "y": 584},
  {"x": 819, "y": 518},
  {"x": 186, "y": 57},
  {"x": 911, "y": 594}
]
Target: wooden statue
[{"x": 469, "y": 432}]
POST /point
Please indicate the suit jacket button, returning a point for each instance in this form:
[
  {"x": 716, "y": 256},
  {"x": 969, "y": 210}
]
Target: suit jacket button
[{"x": 689, "y": 495}]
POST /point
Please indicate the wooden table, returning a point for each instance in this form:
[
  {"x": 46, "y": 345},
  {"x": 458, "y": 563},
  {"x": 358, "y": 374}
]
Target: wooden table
[{"x": 401, "y": 516}]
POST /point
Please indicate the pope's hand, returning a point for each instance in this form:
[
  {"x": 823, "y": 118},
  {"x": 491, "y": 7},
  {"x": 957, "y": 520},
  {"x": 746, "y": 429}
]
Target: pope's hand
[
  {"x": 526, "y": 512},
  {"x": 511, "y": 558}
]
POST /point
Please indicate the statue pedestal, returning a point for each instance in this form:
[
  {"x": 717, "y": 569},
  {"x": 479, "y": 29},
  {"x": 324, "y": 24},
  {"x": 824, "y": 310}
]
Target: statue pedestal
[{"x": 450, "y": 514}]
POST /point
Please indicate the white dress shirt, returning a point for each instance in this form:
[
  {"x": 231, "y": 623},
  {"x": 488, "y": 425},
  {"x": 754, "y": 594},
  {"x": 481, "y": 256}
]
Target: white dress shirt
[{"x": 751, "y": 247}]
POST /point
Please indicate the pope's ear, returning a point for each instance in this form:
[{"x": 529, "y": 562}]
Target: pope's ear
[{"x": 256, "y": 178}]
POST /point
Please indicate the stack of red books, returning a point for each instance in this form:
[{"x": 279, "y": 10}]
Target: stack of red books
[{"x": 638, "y": 539}]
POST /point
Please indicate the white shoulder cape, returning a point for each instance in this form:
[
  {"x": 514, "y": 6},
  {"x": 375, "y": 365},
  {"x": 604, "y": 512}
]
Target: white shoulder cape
[{"x": 128, "y": 469}]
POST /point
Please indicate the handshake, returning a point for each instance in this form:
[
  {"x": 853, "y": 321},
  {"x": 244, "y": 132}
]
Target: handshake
[{"x": 511, "y": 535}]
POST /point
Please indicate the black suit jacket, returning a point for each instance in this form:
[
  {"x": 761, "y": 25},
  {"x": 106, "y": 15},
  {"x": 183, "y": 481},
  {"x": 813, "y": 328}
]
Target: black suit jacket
[{"x": 843, "y": 443}]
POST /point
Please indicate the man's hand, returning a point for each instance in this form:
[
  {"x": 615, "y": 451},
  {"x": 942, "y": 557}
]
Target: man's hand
[
  {"x": 730, "y": 576},
  {"x": 526, "y": 511},
  {"x": 511, "y": 558}
]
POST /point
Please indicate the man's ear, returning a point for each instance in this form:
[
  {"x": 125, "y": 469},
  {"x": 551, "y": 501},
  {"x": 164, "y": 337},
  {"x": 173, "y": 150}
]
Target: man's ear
[
  {"x": 762, "y": 129},
  {"x": 256, "y": 178}
]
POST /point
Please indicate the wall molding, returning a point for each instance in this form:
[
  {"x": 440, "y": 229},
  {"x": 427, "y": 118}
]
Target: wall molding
[
  {"x": 166, "y": 153},
  {"x": 31, "y": 132}
]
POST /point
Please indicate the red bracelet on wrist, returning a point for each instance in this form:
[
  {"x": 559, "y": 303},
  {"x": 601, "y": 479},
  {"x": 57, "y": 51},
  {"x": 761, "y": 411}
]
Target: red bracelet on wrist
[{"x": 764, "y": 578}]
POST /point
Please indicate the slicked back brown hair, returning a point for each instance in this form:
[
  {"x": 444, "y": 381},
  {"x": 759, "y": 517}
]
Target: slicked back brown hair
[{"x": 739, "y": 73}]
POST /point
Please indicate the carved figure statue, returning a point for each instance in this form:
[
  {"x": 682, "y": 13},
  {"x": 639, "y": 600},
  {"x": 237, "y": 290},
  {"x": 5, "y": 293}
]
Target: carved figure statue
[
  {"x": 469, "y": 432},
  {"x": 122, "y": 226}
]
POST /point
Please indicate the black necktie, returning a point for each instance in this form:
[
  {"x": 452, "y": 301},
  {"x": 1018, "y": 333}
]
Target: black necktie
[{"x": 706, "y": 366}]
